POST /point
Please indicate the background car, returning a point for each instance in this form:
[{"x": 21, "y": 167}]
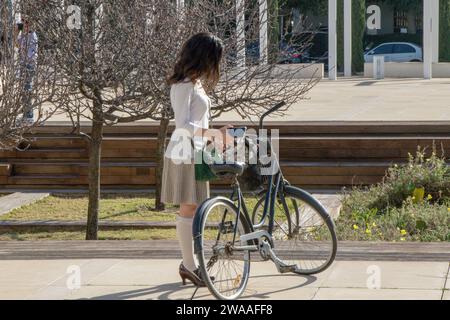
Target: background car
[
  {"x": 289, "y": 54},
  {"x": 395, "y": 52},
  {"x": 306, "y": 47}
]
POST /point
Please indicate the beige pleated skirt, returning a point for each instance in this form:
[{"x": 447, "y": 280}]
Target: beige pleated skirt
[{"x": 179, "y": 184}]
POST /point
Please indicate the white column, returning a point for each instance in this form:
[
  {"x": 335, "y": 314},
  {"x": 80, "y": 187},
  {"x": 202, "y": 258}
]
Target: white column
[
  {"x": 16, "y": 10},
  {"x": 263, "y": 32},
  {"x": 435, "y": 30},
  {"x": 180, "y": 4},
  {"x": 180, "y": 8},
  {"x": 240, "y": 32},
  {"x": 332, "y": 40},
  {"x": 427, "y": 40},
  {"x": 348, "y": 38}
]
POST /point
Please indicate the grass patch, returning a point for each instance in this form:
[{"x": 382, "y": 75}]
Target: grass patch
[
  {"x": 411, "y": 204},
  {"x": 36, "y": 234},
  {"x": 112, "y": 207}
]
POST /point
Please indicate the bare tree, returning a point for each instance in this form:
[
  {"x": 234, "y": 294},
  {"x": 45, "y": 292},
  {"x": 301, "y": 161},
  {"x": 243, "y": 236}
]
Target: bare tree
[
  {"x": 115, "y": 56},
  {"x": 22, "y": 89},
  {"x": 105, "y": 51},
  {"x": 252, "y": 79}
]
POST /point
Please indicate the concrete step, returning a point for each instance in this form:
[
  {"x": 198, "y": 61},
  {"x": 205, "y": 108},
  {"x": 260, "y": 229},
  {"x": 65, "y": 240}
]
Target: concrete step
[
  {"x": 5, "y": 169},
  {"x": 331, "y": 174},
  {"x": 46, "y": 179},
  {"x": 164, "y": 249},
  {"x": 46, "y": 154}
]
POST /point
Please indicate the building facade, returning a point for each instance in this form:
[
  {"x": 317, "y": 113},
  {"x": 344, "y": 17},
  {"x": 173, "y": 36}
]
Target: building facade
[{"x": 384, "y": 21}]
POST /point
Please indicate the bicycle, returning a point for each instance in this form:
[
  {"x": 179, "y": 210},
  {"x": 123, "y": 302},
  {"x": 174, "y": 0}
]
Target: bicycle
[{"x": 299, "y": 238}]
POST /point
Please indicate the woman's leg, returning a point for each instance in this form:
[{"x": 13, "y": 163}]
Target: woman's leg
[{"x": 184, "y": 233}]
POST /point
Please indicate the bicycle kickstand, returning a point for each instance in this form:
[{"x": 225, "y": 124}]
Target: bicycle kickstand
[{"x": 195, "y": 292}]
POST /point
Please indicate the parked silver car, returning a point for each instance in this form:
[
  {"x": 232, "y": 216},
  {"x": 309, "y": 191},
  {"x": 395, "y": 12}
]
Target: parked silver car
[{"x": 395, "y": 52}]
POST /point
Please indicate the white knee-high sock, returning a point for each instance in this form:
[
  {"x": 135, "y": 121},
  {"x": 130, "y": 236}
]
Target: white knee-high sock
[{"x": 184, "y": 233}]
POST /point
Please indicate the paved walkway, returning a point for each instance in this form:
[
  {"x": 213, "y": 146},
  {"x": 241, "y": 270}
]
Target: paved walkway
[
  {"x": 361, "y": 99},
  {"x": 157, "y": 279},
  {"x": 19, "y": 199},
  {"x": 43, "y": 276}
]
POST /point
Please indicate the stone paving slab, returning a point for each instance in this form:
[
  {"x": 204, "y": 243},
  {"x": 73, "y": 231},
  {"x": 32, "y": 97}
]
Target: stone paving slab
[
  {"x": 393, "y": 275},
  {"x": 119, "y": 279},
  {"x": 373, "y": 294},
  {"x": 447, "y": 284},
  {"x": 331, "y": 202},
  {"x": 446, "y": 295},
  {"x": 19, "y": 199},
  {"x": 34, "y": 272}
]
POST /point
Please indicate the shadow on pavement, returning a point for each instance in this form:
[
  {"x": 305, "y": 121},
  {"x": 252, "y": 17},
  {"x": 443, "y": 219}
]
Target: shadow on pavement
[{"x": 165, "y": 291}]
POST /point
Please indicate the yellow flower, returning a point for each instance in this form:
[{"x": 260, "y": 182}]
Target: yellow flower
[
  {"x": 430, "y": 197},
  {"x": 355, "y": 227},
  {"x": 402, "y": 239},
  {"x": 418, "y": 195},
  {"x": 368, "y": 231},
  {"x": 374, "y": 225},
  {"x": 403, "y": 232},
  {"x": 448, "y": 209}
]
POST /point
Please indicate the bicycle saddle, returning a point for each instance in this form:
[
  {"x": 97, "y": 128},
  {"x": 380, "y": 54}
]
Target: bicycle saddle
[{"x": 235, "y": 169}]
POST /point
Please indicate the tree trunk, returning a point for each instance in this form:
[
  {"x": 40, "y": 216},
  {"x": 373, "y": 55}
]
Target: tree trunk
[
  {"x": 94, "y": 178},
  {"x": 162, "y": 136}
]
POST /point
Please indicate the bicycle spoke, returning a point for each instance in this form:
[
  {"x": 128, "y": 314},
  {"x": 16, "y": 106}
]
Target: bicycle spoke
[
  {"x": 300, "y": 233},
  {"x": 228, "y": 267}
]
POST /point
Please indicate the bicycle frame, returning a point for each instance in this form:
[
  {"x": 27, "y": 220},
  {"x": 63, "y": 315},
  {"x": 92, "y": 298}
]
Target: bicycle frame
[
  {"x": 275, "y": 183},
  {"x": 269, "y": 202}
]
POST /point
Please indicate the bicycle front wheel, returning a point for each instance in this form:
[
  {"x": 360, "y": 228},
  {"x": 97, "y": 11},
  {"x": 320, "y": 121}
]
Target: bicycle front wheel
[
  {"x": 224, "y": 265},
  {"x": 303, "y": 232}
]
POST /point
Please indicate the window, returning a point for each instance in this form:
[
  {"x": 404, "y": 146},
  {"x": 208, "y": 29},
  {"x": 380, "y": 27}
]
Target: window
[
  {"x": 384, "y": 49},
  {"x": 419, "y": 23},
  {"x": 400, "y": 20},
  {"x": 404, "y": 48}
]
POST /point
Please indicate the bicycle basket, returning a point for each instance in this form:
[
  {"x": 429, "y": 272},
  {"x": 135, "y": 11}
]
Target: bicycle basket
[{"x": 251, "y": 179}]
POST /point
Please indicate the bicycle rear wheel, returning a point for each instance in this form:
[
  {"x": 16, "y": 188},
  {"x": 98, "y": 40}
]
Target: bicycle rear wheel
[
  {"x": 226, "y": 270},
  {"x": 304, "y": 233}
]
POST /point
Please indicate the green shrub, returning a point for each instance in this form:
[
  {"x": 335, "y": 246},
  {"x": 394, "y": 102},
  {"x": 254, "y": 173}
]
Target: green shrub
[
  {"x": 426, "y": 222},
  {"x": 431, "y": 173},
  {"x": 358, "y": 30},
  {"x": 390, "y": 211}
]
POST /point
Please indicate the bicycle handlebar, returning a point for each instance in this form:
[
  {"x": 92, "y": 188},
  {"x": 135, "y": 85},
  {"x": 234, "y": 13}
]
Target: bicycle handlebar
[{"x": 272, "y": 110}]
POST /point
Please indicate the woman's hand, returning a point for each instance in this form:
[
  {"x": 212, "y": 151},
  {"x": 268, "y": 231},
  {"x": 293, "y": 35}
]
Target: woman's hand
[
  {"x": 221, "y": 138},
  {"x": 228, "y": 140}
]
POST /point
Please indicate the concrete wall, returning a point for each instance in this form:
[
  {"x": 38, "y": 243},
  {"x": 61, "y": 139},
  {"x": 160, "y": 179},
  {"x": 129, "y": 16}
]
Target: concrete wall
[
  {"x": 302, "y": 71},
  {"x": 283, "y": 71},
  {"x": 408, "y": 70}
]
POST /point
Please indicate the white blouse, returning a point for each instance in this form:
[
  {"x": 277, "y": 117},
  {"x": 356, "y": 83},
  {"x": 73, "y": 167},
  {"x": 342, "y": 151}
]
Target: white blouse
[{"x": 191, "y": 106}]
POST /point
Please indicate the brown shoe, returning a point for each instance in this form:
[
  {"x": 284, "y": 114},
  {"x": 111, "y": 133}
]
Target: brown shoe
[{"x": 193, "y": 276}]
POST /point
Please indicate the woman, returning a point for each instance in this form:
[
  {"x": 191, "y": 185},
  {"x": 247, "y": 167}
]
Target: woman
[{"x": 198, "y": 67}]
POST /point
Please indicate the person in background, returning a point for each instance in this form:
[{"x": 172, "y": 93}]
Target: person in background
[{"x": 27, "y": 43}]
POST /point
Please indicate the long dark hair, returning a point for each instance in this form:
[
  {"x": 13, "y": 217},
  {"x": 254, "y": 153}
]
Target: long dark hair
[{"x": 200, "y": 58}]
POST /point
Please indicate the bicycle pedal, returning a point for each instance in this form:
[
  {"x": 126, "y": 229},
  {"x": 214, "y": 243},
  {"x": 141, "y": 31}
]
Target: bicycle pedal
[
  {"x": 226, "y": 227},
  {"x": 287, "y": 269}
]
